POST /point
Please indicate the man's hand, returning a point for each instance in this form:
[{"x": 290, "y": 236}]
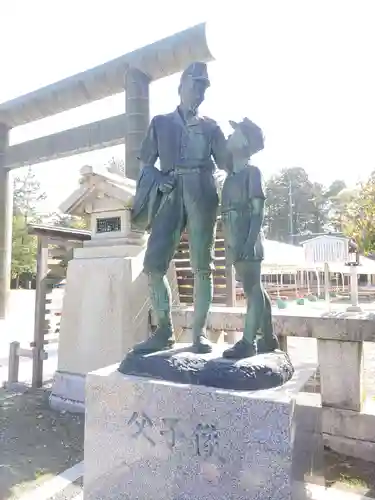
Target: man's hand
[
  {"x": 167, "y": 183},
  {"x": 248, "y": 252}
]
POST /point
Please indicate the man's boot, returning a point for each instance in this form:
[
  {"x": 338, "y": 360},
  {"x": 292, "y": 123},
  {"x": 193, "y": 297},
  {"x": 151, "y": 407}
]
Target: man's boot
[
  {"x": 163, "y": 337},
  {"x": 202, "y": 302}
]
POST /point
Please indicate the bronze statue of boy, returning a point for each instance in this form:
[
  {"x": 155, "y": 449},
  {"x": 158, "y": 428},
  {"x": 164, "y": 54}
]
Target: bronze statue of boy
[{"x": 242, "y": 207}]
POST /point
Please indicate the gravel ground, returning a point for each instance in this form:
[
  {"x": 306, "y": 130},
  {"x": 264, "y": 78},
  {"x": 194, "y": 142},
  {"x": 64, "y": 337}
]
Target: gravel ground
[{"x": 36, "y": 443}]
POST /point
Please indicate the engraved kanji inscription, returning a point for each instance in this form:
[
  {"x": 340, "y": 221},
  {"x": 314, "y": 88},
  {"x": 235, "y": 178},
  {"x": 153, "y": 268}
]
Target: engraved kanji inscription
[
  {"x": 143, "y": 424},
  {"x": 171, "y": 431},
  {"x": 206, "y": 440}
]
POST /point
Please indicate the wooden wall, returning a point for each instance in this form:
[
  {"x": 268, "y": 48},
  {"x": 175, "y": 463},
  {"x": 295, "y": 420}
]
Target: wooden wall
[{"x": 224, "y": 283}]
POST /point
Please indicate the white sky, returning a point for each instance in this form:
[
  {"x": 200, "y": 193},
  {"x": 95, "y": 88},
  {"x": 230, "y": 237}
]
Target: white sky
[{"x": 300, "y": 68}]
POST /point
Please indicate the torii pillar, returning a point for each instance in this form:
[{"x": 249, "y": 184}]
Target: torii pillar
[
  {"x": 6, "y": 212},
  {"x": 137, "y": 102}
]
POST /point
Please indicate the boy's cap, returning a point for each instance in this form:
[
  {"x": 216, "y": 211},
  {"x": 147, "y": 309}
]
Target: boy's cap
[
  {"x": 252, "y": 132},
  {"x": 248, "y": 128}
]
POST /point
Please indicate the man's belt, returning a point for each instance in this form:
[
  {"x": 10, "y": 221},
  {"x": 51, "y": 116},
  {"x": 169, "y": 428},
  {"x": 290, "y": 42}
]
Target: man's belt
[
  {"x": 244, "y": 207},
  {"x": 178, "y": 170}
]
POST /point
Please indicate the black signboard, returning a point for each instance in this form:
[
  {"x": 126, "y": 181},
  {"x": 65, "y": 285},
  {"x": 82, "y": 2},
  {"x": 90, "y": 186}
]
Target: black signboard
[{"x": 108, "y": 225}]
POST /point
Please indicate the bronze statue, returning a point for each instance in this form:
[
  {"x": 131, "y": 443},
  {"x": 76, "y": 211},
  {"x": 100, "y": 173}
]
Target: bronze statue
[
  {"x": 242, "y": 206},
  {"x": 182, "y": 194}
]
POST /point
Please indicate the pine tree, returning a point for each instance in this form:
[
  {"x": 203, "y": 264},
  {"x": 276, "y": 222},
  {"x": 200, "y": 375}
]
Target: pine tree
[
  {"x": 24, "y": 248},
  {"x": 27, "y": 196},
  {"x": 116, "y": 166}
]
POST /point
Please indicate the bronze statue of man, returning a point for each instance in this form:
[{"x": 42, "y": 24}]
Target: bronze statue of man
[
  {"x": 242, "y": 205},
  {"x": 184, "y": 196}
]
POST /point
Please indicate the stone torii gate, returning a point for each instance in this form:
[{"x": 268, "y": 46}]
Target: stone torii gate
[{"x": 132, "y": 73}]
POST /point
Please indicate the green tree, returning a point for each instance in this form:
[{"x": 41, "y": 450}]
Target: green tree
[
  {"x": 336, "y": 203},
  {"x": 24, "y": 248},
  {"x": 358, "y": 218},
  {"x": 27, "y": 195},
  {"x": 335, "y": 188},
  {"x": 295, "y": 205}
]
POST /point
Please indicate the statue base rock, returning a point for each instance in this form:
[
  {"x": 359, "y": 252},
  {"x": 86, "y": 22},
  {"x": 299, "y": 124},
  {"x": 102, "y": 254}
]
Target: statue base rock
[
  {"x": 153, "y": 439},
  {"x": 181, "y": 365}
]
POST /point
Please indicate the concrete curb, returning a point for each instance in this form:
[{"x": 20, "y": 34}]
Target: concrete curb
[
  {"x": 317, "y": 492},
  {"x": 303, "y": 491},
  {"x": 54, "y": 486}
]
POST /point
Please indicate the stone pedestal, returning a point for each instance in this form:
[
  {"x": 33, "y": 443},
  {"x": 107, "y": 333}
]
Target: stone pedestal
[
  {"x": 105, "y": 311},
  {"x": 155, "y": 440},
  {"x": 106, "y": 305}
]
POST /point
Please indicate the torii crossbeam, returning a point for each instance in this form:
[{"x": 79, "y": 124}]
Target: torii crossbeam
[{"x": 132, "y": 73}]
